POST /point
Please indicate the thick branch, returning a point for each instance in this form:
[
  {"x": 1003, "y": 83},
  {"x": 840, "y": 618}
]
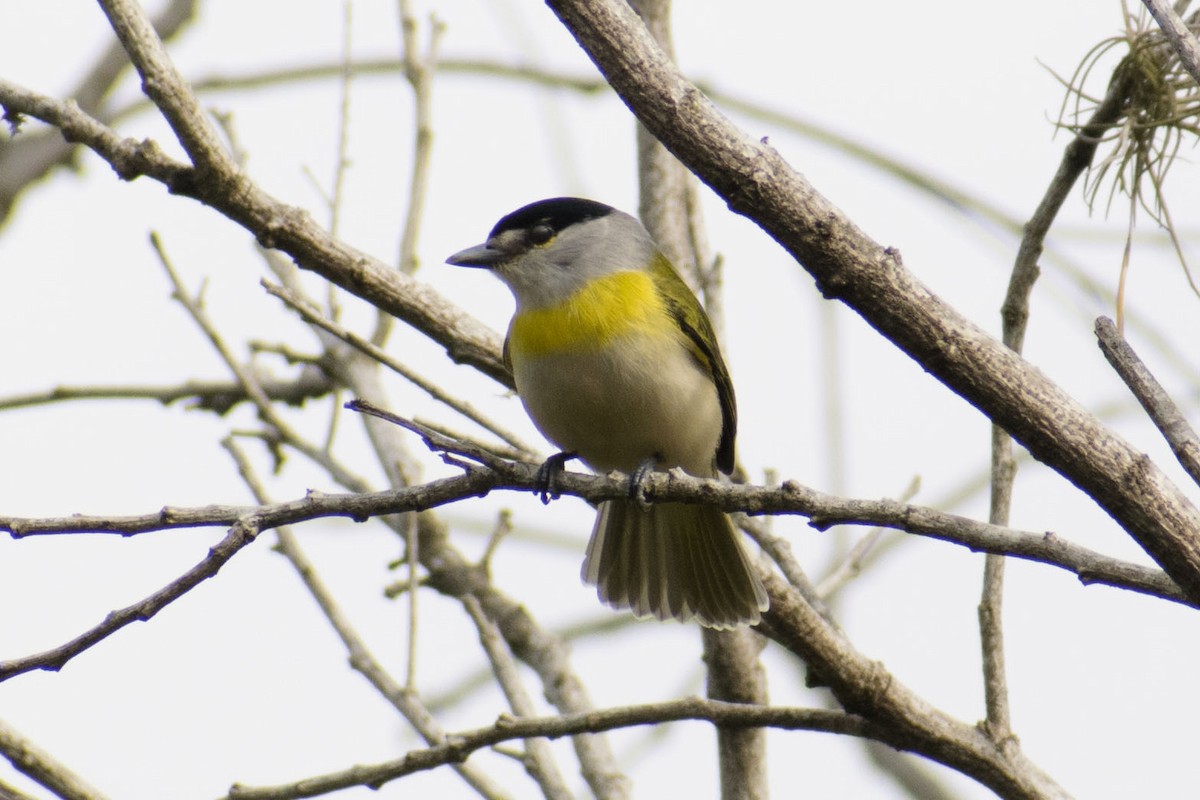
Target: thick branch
[
  {"x": 29, "y": 158},
  {"x": 278, "y": 226},
  {"x": 755, "y": 181},
  {"x": 164, "y": 85}
]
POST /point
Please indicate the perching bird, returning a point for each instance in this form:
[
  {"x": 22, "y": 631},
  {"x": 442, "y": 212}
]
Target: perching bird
[{"x": 617, "y": 363}]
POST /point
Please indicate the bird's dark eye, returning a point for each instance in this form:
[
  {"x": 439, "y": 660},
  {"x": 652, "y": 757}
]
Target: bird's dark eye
[{"x": 540, "y": 234}]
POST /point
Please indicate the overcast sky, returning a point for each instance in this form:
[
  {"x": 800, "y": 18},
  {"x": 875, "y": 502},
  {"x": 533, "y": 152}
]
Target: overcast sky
[{"x": 242, "y": 681}]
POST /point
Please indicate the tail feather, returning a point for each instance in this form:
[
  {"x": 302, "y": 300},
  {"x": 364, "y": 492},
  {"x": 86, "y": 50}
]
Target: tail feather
[{"x": 673, "y": 561}]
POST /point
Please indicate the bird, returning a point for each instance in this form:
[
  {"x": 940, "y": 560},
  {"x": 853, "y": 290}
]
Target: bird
[{"x": 617, "y": 364}]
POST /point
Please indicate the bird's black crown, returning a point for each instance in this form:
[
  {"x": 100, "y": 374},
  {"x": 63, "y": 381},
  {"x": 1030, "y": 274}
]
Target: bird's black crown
[{"x": 557, "y": 212}]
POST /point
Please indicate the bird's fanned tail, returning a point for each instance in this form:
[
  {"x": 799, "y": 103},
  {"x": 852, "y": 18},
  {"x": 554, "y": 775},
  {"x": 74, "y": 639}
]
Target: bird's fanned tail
[{"x": 673, "y": 561}]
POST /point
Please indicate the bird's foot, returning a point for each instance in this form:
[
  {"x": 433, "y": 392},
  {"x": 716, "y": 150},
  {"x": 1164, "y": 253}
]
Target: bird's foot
[
  {"x": 546, "y": 481},
  {"x": 637, "y": 480}
]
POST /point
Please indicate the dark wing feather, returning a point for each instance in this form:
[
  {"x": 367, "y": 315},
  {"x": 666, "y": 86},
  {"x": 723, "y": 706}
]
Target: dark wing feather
[{"x": 703, "y": 345}]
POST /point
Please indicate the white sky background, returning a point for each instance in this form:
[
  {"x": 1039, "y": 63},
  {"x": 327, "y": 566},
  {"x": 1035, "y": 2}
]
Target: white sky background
[{"x": 242, "y": 681}]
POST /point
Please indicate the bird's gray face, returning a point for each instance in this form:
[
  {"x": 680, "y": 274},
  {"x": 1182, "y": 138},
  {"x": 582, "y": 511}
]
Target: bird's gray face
[{"x": 544, "y": 254}]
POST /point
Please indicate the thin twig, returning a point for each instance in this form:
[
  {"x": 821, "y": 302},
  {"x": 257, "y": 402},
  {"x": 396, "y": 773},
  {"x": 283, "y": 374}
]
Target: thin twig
[
  {"x": 342, "y": 158},
  {"x": 249, "y": 381},
  {"x": 35, "y": 763},
  {"x": 991, "y": 629},
  {"x": 503, "y": 528},
  {"x": 539, "y": 757},
  {"x": 822, "y": 510},
  {"x": 418, "y": 69},
  {"x": 851, "y": 565},
  {"x": 218, "y": 396},
  {"x": 10, "y": 792},
  {"x": 241, "y": 534},
  {"x": 310, "y": 314},
  {"x": 1159, "y": 406},
  {"x": 460, "y": 745},
  {"x": 361, "y": 659},
  {"x": 1182, "y": 39},
  {"x": 1015, "y": 315}
]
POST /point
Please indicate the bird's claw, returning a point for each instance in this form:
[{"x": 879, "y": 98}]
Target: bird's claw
[
  {"x": 546, "y": 480},
  {"x": 637, "y": 481}
]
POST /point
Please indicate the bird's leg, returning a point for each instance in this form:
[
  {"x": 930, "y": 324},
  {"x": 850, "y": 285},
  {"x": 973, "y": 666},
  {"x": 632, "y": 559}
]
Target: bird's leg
[
  {"x": 637, "y": 480},
  {"x": 546, "y": 481}
]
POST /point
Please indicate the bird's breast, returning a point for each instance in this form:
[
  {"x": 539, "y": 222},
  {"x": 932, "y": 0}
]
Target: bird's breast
[
  {"x": 637, "y": 397},
  {"x": 617, "y": 305}
]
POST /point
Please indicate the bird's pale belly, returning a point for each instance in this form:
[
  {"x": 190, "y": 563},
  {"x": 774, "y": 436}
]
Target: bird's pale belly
[{"x": 617, "y": 411}]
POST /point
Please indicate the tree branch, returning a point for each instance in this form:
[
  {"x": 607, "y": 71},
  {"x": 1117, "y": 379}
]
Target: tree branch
[
  {"x": 361, "y": 658},
  {"x": 242, "y": 533},
  {"x": 539, "y": 758},
  {"x": 755, "y": 180},
  {"x": 167, "y": 89},
  {"x": 30, "y": 158},
  {"x": 1159, "y": 406},
  {"x": 507, "y": 728},
  {"x": 279, "y": 226},
  {"x": 492, "y": 473},
  {"x": 1183, "y": 41},
  {"x": 40, "y": 766},
  {"x": 217, "y": 396},
  {"x": 1014, "y": 314}
]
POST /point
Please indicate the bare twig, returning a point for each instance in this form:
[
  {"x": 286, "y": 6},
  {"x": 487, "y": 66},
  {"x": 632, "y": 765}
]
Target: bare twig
[
  {"x": 991, "y": 635},
  {"x": 249, "y": 382},
  {"x": 25, "y": 160},
  {"x": 510, "y": 728},
  {"x": 418, "y": 69},
  {"x": 847, "y": 264},
  {"x": 218, "y": 396},
  {"x": 168, "y": 90},
  {"x": 10, "y": 792},
  {"x": 1182, "y": 39},
  {"x": 493, "y": 473},
  {"x": 539, "y": 758},
  {"x": 1159, "y": 406},
  {"x": 342, "y": 158},
  {"x": 241, "y": 534},
  {"x": 314, "y": 317},
  {"x": 404, "y": 700},
  {"x": 35, "y": 763},
  {"x": 851, "y": 565},
  {"x": 499, "y": 533}
]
